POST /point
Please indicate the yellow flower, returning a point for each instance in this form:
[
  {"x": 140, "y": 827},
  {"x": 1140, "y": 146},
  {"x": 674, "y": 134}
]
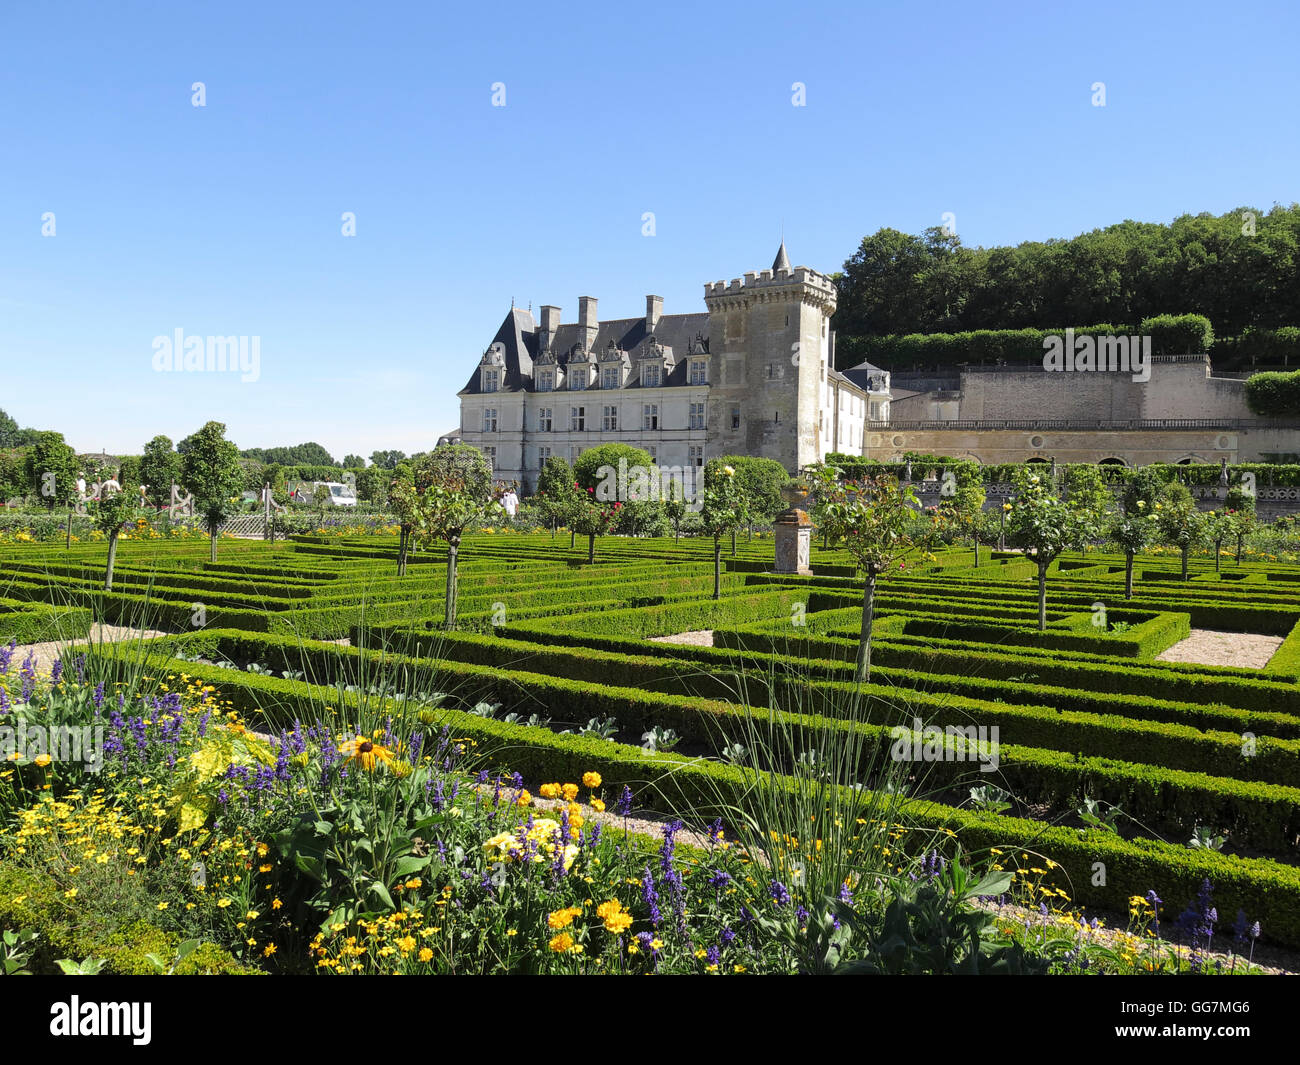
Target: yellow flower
[
  {"x": 42, "y": 760},
  {"x": 223, "y": 903},
  {"x": 598, "y": 805},
  {"x": 591, "y": 780},
  {"x": 425, "y": 954},
  {"x": 268, "y": 950},
  {"x": 561, "y": 943},
  {"x": 71, "y": 893},
  {"x": 366, "y": 752},
  {"x": 570, "y": 792},
  {"x": 524, "y": 798},
  {"x": 550, "y": 791}
]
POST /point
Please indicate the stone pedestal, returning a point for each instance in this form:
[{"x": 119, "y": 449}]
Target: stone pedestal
[{"x": 793, "y": 535}]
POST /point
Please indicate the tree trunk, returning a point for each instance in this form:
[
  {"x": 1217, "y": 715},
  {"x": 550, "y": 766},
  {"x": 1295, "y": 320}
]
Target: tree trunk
[
  {"x": 573, "y": 539},
  {"x": 1002, "y": 531},
  {"x": 591, "y": 548},
  {"x": 1185, "y": 552},
  {"x": 1128, "y": 574},
  {"x": 1239, "y": 539},
  {"x": 1217, "y": 545},
  {"x": 733, "y": 543},
  {"x": 977, "y": 551},
  {"x": 403, "y": 537},
  {"x": 1042, "y": 594},
  {"x": 677, "y": 534},
  {"x": 717, "y": 566},
  {"x": 213, "y": 544},
  {"x": 68, "y": 543},
  {"x": 750, "y": 539},
  {"x": 552, "y": 528},
  {"x": 449, "y": 618},
  {"x": 868, "y": 618},
  {"x": 112, "y": 557}
]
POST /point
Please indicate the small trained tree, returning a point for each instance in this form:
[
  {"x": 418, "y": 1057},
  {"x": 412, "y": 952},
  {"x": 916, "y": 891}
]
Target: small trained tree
[
  {"x": 210, "y": 471},
  {"x": 1218, "y": 527},
  {"x": 592, "y": 518},
  {"x": 556, "y": 496},
  {"x": 52, "y": 470},
  {"x": 721, "y": 513},
  {"x": 962, "y": 503},
  {"x": 876, "y": 520},
  {"x": 112, "y": 510},
  {"x": 1041, "y": 522},
  {"x": 1241, "y": 510},
  {"x": 675, "y": 507},
  {"x": 452, "y": 488},
  {"x": 1181, "y": 524}
]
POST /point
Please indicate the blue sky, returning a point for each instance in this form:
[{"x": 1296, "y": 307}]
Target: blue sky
[{"x": 226, "y": 219}]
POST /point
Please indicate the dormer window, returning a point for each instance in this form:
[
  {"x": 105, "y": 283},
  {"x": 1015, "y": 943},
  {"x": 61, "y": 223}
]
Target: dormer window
[
  {"x": 699, "y": 372},
  {"x": 575, "y": 381},
  {"x": 546, "y": 381},
  {"x": 609, "y": 377},
  {"x": 652, "y": 376},
  {"x": 491, "y": 380}
]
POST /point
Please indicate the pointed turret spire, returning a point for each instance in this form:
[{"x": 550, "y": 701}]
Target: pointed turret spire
[{"x": 782, "y": 261}]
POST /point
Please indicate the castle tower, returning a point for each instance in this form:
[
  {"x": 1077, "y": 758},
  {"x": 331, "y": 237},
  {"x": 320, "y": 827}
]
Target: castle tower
[{"x": 769, "y": 352}]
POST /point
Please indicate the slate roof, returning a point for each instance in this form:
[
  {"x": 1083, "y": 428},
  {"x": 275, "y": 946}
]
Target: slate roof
[{"x": 519, "y": 338}]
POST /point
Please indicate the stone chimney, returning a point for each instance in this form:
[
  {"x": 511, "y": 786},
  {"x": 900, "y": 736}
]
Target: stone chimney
[
  {"x": 654, "y": 309},
  {"x": 550, "y": 325},
  {"x": 587, "y": 321}
]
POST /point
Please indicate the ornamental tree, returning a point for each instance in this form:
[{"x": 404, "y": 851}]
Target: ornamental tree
[
  {"x": 962, "y": 503},
  {"x": 111, "y": 511},
  {"x": 591, "y": 517},
  {"x": 52, "y": 470},
  {"x": 452, "y": 489},
  {"x": 159, "y": 469},
  {"x": 556, "y": 496},
  {"x": 723, "y": 510},
  {"x": 1241, "y": 512},
  {"x": 875, "y": 518},
  {"x": 1218, "y": 527},
  {"x": 1040, "y": 522},
  {"x": 675, "y": 507},
  {"x": 1181, "y": 525},
  {"x": 210, "y": 471}
]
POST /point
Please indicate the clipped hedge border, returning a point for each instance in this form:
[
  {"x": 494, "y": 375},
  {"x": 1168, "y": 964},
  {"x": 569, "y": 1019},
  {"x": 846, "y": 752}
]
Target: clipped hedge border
[{"x": 63, "y": 934}]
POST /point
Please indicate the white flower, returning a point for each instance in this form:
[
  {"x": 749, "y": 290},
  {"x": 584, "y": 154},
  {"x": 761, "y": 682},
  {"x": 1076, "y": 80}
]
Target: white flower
[{"x": 728, "y": 471}]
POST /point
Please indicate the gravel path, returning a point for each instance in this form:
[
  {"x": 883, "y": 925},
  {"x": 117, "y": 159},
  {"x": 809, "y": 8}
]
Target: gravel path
[
  {"x": 47, "y": 652},
  {"x": 1207, "y": 647},
  {"x": 699, "y": 637}
]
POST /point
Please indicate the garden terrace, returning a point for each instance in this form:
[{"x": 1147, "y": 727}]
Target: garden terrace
[{"x": 1084, "y": 710}]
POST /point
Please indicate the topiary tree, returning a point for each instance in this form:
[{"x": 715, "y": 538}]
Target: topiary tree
[
  {"x": 1240, "y": 505},
  {"x": 451, "y": 489},
  {"x": 111, "y": 511},
  {"x": 722, "y": 512},
  {"x": 1085, "y": 488},
  {"x": 962, "y": 503},
  {"x": 210, "y": 471},
  {"x": 675, "y": 507},
  {"x": 1181, "y": 525},
  {"x": 52, "y": 470},
  {"x": 556, "y": 497},
  {"x": 592, "y": 518},
  {"x": 875, "y": 519},
  {"x": 1041, "y": 522},
  {"x": 1218, "y": 527},
  {"x": 401, "y": 500}
]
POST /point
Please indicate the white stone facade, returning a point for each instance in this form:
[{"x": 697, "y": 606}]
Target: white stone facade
[{"x": 750, "y": 376}]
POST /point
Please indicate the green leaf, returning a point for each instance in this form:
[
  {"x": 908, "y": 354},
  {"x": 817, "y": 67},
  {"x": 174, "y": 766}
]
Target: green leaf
[{"x": 995, "y": 882}]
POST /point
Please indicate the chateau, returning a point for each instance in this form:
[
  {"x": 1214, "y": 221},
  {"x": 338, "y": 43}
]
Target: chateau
[{"x": 753, "y": 374}]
